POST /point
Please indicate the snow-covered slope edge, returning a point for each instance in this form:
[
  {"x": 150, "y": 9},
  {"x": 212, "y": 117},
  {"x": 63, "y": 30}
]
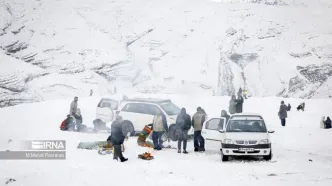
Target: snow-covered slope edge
[{"x": 270, "y": 47}]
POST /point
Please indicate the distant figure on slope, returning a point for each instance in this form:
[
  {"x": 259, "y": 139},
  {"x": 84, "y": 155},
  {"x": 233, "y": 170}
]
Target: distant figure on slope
[
  {"x": 183, "y": 122},
  {"x": 301, "y": 107},
  {"x": 91, "y": 92},
  {"x": 232, "y": 105},
  {"x": 239, "y": 103},
  {"x": 288, "y": 107},
  {"x": 283, "y": 113},
  {"x": 327, "y": 123},
  {"x": 197, "y": 122}
]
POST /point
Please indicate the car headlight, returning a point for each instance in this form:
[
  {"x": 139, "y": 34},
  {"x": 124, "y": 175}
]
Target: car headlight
[
  {"x": 228, "y": 141},
  {"x": 264, "y": 141}
]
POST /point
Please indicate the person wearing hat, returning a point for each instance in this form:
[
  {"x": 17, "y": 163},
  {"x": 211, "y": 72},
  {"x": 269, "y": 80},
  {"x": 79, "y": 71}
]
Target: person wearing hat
[
  {"x": 283, "y": 113},
  {"x": 197, "y": 122},
  {"x": 73, "y": 107}
]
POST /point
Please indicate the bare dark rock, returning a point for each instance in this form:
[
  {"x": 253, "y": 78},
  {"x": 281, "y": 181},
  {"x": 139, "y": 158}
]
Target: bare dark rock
[
  {"x": 296, "y": 83},
  {"x": 230, "y": 32},
  {"x": 243, "y": 59},
  {"x": 315, "y": 73},
  {"x": 301, "y": 55},
  {"x": 18, "y": 30},
  {"x": 10, "y": 180},
  {"x": 16, "y": 47}
]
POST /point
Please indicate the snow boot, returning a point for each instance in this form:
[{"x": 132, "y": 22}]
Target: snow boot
[
  {"x": 179, "y": 151},
  {"x": 196, "y": 149},
  {"x": 123, "y": 159},
  {"x": 185, "y": 152}
]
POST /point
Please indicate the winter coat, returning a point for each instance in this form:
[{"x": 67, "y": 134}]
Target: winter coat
[
  {"x": 239, "y": 104},
  {"x": 322, "y": 125},
  {"x": 232, "y": 106},
  {"x": 282, "y": 111},
  {"x": 198, "y": 120},
  {"x": 117, "y": 137},
  {"x": 73, "y": 108},
  {"x": 183, "y": 121},
  {"x": 289, "y": 108},
  {"x": 159, "y": 123},
  {"x": 225, "y": 115},
  {"x": 327, "y": 123},
  {"x": 67, "y": 124}
]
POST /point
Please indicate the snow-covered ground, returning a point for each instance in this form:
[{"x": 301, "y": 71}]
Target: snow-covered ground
[
  {"x": 210, "y": 47},
  {"x": 293, "y": 146}
]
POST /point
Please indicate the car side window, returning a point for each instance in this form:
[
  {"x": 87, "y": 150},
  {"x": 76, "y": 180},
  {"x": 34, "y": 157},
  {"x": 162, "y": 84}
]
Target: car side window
[
  {"x": 215, "y": 124},
  {"x": 133, "y": 107},
  {"x": 108, "y": 103},
  {"x": 150, "y": 109}
]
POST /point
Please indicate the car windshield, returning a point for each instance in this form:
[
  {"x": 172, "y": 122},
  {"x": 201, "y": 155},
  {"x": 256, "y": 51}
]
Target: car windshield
[
  {"x": 170, "y": 108},
  {"x": 246, "y": 126}
]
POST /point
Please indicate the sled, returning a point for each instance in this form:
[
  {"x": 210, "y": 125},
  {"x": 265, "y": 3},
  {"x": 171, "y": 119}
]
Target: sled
[
  {"x": 145, "y": 156},
  {"x": 91, "y": 145}
]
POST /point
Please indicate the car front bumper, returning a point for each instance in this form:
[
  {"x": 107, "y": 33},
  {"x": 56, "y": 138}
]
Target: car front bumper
[{"x": 237, "y": 150}]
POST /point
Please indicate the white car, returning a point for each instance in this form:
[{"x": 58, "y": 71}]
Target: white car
[
  {"x": 244, "y": 134},
  {"x": 136, "y": 112}
]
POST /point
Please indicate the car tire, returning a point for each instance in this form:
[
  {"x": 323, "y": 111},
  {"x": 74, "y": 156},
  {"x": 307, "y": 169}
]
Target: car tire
[
  {"x": 268, "y": 157},
  {"x": 224, "y": 157},
  {"x": 172, "y": 132},
  {"x": 128, "y": 127}
]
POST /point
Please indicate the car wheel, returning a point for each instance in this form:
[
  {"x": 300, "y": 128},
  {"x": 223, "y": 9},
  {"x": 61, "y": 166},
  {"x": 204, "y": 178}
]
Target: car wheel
[
  {"x": 128, "y": 127},
  {"x": 224, "y": 157},
  {"x": 268, "y": 157},
  {"x": 172, "y": 132}
]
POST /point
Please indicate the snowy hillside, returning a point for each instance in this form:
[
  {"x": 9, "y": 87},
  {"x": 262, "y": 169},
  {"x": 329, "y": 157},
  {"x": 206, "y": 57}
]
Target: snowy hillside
[
  {"x": 57, "y": 49},
  {"x": 302, "y": 151}
]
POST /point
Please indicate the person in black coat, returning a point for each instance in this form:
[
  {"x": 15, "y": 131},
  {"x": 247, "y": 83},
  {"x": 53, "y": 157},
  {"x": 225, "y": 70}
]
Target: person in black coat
[
  {"x": 183, "y": 123},
  {"x": 288, "y": 107},
  {"x": 117, "y": 138},
  {"x": 327, "y": 123}
]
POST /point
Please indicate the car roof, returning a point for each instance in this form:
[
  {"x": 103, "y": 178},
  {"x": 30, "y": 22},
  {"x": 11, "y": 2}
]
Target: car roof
[
  {"x": 246, "y": 116},
  {"x": 147, "y": 100}
]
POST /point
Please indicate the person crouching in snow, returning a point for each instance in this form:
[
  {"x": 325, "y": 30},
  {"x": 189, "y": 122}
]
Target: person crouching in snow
[
  {"x": 159, "y": 126},
  {"x": 68, "y": 124},
  {"x": 283, "y": 113},
  {"x": 117, "y": 139},
  {"x": 183, "y": 122}
]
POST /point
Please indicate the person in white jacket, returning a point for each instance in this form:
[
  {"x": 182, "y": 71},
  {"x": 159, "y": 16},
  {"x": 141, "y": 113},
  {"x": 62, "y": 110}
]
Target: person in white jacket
[{"x": 322, "y": 122}]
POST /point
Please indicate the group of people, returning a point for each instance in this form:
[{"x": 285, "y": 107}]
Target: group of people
[
  {"x": 236, "y": 103},
  {"x": 74, "y": 120}
]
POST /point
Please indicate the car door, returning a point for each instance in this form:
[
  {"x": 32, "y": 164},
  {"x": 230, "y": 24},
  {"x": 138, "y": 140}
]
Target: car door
[
  {"x": 211, "y": 128},
  {"x": 105, "y": 110}
]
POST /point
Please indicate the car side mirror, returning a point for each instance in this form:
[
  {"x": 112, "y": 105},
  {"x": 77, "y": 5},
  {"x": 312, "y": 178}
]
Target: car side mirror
[
  {"x": 221, "y": 131},
  {"x": 271, "y": 131}
]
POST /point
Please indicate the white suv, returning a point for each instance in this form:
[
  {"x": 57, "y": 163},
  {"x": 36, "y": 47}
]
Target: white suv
[
  {"x": 137, "y": 112},
  {"x": 246, "y": 135}
]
